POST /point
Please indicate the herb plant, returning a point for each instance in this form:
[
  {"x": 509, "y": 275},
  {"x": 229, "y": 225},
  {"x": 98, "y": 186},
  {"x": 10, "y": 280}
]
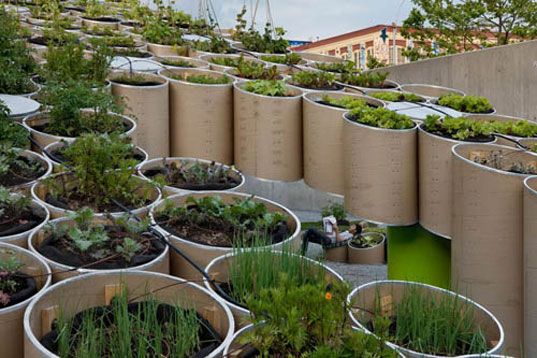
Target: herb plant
[
  {"x": 336, "y": 210},
  {"x": 459, "y": 128},
  {"x": 521, "y": 128},
  {"x": 290, "y": 59},
  {"x": 255, "y": 71},
  {"x": 16, "y": 169},
  {"x": 267, "y": 88},
  {"x": 175, "y": 62},
  {"x": 12, "y": 133},
  {"x": 9, "y": 282},
  {"x": 365, "y": 79},
  {"x": 390, "y": 96},
  {"x": 212, "y": 221},
  {"x": 226, "y": 61},
  {"x": 157, "y": 30},
  {"x": 336, "y": 67},
  {"x": 347, "y": 102},
  {"x": 314, "y": 80},
  {"x": 366, "y": 240},
  {"x": 467, "y": 104},
  {"x": 381, "y": 118},
  {"x": 308, "y": 321},
  {"x": 208, "y": 80},
  {"x": 16, "y": 214}
]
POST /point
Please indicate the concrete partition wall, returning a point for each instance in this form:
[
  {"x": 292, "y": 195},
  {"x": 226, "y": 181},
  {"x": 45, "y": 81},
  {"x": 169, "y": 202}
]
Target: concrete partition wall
[{"x": 505, "y": 74}]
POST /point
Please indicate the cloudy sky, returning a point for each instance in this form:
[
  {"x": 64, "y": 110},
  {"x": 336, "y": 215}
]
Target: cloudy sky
[{"x": 307, "y": 19}]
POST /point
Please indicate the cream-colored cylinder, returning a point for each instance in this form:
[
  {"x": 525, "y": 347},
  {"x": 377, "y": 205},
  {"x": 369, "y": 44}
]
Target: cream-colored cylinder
[
  {"x": 323, "y": 141},
  {"x": 486, "y": 246},
  {"x": 201, "y": 117},
  {"x": 21, "y": 239},
  {"x": 11, "y": 327},
  {"x": 268, "y": 134},
  {"x": 62, "y": 272},
  {"x": 380, "y": 178},
  {"x": 203, "y": 254},
  {"x": 83, "y": 292},
  {"x": 430, "y": 91},
  {"x": 368, "y": 255},
  {"x": 149, "y": 106},
  {"x": 530, "y": 267}
]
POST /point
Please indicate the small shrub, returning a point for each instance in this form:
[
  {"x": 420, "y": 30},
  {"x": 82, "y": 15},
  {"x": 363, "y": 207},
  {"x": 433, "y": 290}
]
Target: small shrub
[{"x": 267, "y": 88}]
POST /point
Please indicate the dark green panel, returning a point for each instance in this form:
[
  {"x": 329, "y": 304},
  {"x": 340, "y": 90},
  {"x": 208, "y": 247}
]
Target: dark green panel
[{"x": 414, "y": 254}]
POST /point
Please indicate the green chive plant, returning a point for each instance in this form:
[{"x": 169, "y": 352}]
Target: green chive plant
[
  {"x": 381, "y": 118},
  {"x": 129, "y": 329},
  {"x": 212, "y": 221},
  {"x": 466, "y": 104},
  {"x": 267, "y": 88},
  {"x": 308, "y": 321}
]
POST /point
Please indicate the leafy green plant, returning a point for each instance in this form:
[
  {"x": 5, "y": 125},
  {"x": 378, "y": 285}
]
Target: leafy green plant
[
  {"x": 17, "y": 169},
  {"x": 392, "y": 96},
  {"x": 129, "y": 329},
  {"x": 289, "y": 59},
  {"x": 459, "y": 128},
  {"x": 255, "y": 71},
  {"x": 8, "y": 281},
  {"x": 208, "y": 80},
  {"x": 439, "y": 325},
  {"x": 308, "y": 321},
  {"x": 467, "y": 104},
  {"x": 12, "y": 133},
  {"x": 347, "y": 102},
  {"x": 226, "y": 61},
  {"x": 365, "y": 79},
  {"x": 336, "y": 210},
  {"x": 314, "y": 80},
  {"x": 16, "y": 213},
  {"x": 223, "y": 223},
  {"x": 381, "y": 118},
  {"x": 520, "y": 128},
  {"x": 102, "y": 174},
  {"x": 336, "y": 67},
  {"x": 267, "y": 88},
  {"x": 157, "y": 30},
  {"x": 215, "y": 44},
  {"x": 366, "y": 240},
  {"x": 95, "y": 10}
]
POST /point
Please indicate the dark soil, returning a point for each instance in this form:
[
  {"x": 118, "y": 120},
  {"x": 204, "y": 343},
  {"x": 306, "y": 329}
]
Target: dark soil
[
  {"x": 26, "y": 287},
  {"x": 214, "y": 233},
  {"x": 335, "y": 87},
  {"x": 20, "y": 174},
  {"x": 25, "y": 220},
  {"x": 208, "y": 337},
  {"x": 75, "y": 201},
  {"x": 131, "y": 23},
  {"x": 43, "y": 41},
  {"x": 130, "y": 52},
  {"x": 61, "y": 250},
  {"x": 229, "y": 182},
  {"x": 102, "y": 19},
  {"x": 333, "y": 105}
]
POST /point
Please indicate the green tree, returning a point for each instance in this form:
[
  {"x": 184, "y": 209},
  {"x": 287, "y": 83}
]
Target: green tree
[{"x": 455, "y": 26}]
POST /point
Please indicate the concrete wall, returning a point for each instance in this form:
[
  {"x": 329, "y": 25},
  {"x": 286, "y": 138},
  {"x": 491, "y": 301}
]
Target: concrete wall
[{"x": 506, "y": 75}]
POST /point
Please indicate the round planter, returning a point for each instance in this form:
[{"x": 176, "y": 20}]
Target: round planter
[
  {"x": 391, "y": 292},
  {"x": 201, "y": 117},
  {"x": 369, "y": 255},
  {"x": 337, "y": 87},
  {"x": 194, "y": 62},
  {"x": 51, "y": 148},
  {"x": 435, "y": 181},
  {"x": 19, "y": 106},
  {"x": 336, "y": 254},
  {"x": 11, "y": 318},
  {"x": 323, "y": 141},
  {"x": 36, "y": 89},
  {"x": 45, "y": 163},
  {"x": 430, "y": 91},
  {"x": 530, "y": 266},
  {"x": 170, "y": 190},
  {"x": 281, "y": 66},
  {"x": 487, "y": 229},
  {"x": 165, "y": 50},
  {"x": 96, "y": 289},
  {"x": 388, "y": 85},
  {"x": 218, "y": 270},
  {"x": 112, "y": 24},
  {"x": 62, "y": 272},
  {"x": 40, "y": 191},
  {"x": 528, "y": 142},
  {"x": 415, "y": 110},
  {"x": 150, "y": 106},
  {"x": 21, "y": 239},
  {"x": 222, "y": 68},
  {"x": 315, "y": 57},
  {"x": 268, "y": 134},
  {"x": 204, "y": 254},
  {"x": 43, "y": 139},
  {"x": 501, "y": 118},
  {"x": 380, "y": 176}
]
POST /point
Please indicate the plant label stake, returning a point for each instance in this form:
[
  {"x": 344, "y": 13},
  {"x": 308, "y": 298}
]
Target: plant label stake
[
  {"x": 48, "y": 315},
  {"x": 110, "y": 291}
]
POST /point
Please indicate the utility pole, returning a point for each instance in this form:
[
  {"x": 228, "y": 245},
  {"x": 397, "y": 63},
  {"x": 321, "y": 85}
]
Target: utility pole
[{"x": 394, "y": 28}]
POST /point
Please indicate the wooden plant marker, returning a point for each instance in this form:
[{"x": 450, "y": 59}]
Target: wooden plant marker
[
  {"x": 110, "y": 291},
  {"x": 211, "y": 314},
  {"x": 48, "y": 315},
  {"x": 386, "y": 305}
]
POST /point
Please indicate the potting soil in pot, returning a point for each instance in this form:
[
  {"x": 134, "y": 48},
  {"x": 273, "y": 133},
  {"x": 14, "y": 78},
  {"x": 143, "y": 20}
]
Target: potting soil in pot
[
  {"x": 24, "y": 221},
  {"x": 158, "y": 329},
  {"x": 15, "y": 288},
  {"x": 21, "y": 171}
]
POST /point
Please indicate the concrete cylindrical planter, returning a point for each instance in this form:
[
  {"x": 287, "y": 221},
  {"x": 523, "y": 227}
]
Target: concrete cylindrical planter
[
  {"x": 219, "y": 270},
  {"x": 381, "y": 173},
  {"x": 149, "y": 104},
  {"x": 21, "y": 239},
  {"x": 107, "y": 22},
  {"x": 435, "y": 181},
  {"x": 62, "y": 271},
  {"x": 158, "y": 163},
  {"x": 323, "y": 141},
  {"x": 40, "y": 192},
  {"x": 486, "y": 230},
  {"x": 166, "y": 50},
  {"x": 45, "y": 164},
  {"x": 19, "y": 107},
  {"x": 169, "y": 62},
  {"x": 204, "y": 254},
  {"x": 11, "y": 326},
  {"x": 336, "y": 254},
  {"x": 221, "y": 68},
  {"x": 201, "y": 116},
  {"x": 429, "y": 91},
  {"x": 389, "y": 293},
  {"x": 97, "y": 289},
  {"x": 315, "y": 57},
  {"x": 50, "y": 149},
  {"x": 386, "y": 85},
  {"x": 268, "y": 134},
  {"x": 530, "y": 266},
  {"x": 35, "y": 121},
  {"x": 368, "y": 255}
]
